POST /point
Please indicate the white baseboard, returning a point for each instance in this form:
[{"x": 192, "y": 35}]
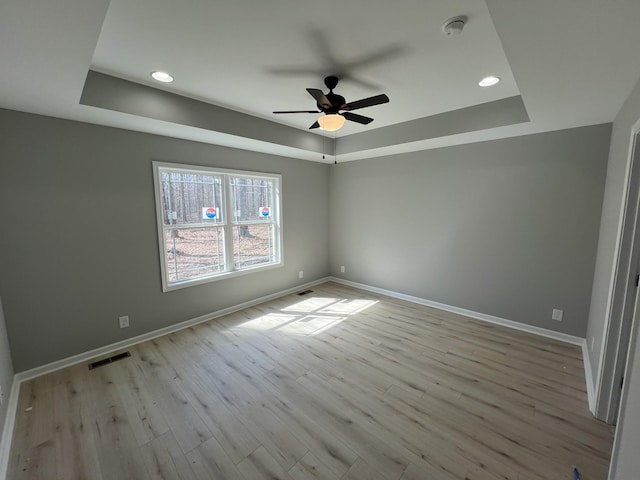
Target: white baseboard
[
  {"x": 588, "y": 374},
  {"x": 82, "y": 357},
  {"x": 563, "y": 337},
  {"x": 7, "y": 431}
]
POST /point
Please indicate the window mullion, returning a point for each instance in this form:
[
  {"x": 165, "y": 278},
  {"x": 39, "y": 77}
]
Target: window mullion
[
  {"x": 171, "y": 224},
  {"x": 229, "y": 241}
]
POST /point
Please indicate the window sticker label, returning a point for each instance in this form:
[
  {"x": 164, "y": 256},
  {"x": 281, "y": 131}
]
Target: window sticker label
[
  {"x": 265, "y": 212},
  {"x": 209, "y": 212}
]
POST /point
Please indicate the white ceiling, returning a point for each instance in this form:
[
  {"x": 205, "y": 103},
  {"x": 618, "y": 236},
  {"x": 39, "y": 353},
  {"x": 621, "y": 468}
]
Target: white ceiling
[
  {"x": 225, "y": 52},
  {"x": 572, "y": 62}
]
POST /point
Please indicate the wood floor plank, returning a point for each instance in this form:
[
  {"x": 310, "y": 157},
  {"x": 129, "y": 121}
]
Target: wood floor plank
[
  {"x": 164, "y": 459},
  {"x": 384, "y": 457},
  {"x": 76, "y": 451},
  {"x": 242, "y": 399},
  {"x": 310, "y": 468},
  {"x": 163, "y": 383},
  {"x": 336, "y": 384},
  {"x": 321, "y": 441},
  {"x": 118, "y": 451},
  {"x": 143, "y": 410},
  {"x": 363, "y": 471},
  {"x": 380, "y": 417},
  {"x": 101, "y": 395},
  {"x": 34, "y": 419},
  {"x": 209, "y": 461},
  {"x": 422, "y": 471},
  {"x": 234, "y": 437},
  {"x": 260, "y": 465},
  {"x": 36, "y": 463}
]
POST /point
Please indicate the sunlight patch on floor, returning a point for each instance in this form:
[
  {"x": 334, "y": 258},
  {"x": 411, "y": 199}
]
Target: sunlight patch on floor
[
  {"x": 270, "y": 321},
  {"x": 309, "y": 317},
  {"x": 349, "y": 307},
  {"x": 310, "y": 304},
  {"x": 311, "y": 325}
]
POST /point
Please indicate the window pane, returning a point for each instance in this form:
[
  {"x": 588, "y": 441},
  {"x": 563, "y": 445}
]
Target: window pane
[
  {"x": 193, "y": 253},
  {"x": 190, "y": 198},
  {"x": 253, "y": 245},
  {"x": 252, "y": 199}
]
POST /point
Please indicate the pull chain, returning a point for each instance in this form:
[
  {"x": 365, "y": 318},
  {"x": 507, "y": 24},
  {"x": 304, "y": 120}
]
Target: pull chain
[
  {"x": 323, "y": 145},
  {"x": 335, "y": 157}
]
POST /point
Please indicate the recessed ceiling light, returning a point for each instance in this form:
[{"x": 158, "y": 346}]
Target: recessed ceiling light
[
  {"x": 162, "y": 77},
  {"x": 489, "y": 81}
]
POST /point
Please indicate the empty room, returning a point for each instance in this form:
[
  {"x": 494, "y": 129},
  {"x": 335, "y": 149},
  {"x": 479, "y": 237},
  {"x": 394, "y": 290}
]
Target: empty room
[{"x": 339, "y": 241}]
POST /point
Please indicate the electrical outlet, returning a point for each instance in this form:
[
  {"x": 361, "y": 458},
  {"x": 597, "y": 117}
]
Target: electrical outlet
[
  {"x": 124, "y": 321},
  {"x": 341, "y": 268},
  {"x": 300, "y": 274},
  {"x": 557, "y": 314}
]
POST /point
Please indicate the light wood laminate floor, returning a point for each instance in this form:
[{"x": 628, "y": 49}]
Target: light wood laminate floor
[{"x": 336, "y": 384}]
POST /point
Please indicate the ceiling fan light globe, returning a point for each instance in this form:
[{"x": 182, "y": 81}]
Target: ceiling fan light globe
[{"x": 331, "y": 122}]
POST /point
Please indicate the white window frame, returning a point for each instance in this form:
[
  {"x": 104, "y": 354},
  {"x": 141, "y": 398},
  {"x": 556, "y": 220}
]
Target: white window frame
[{"x": 227, "y": 225}]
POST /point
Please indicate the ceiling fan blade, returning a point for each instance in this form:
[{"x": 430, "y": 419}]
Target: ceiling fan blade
[
  {"x": 354, "y": 117},
  {"x": 322, "y": 100},
  {"x": 315, "y": 125},
  {"x": 320, "y": 43},
  {"x": 360, "y": 81},
  {"x": 366, "y": 102},
  {"x": 294, "y": 70},
  {"x": 376, "y": 57},
  {"x": 298, "y": 111}
]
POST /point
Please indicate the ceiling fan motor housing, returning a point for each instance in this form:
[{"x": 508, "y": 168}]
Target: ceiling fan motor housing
[
  {"x": 331, "y": 81},
  {"x": 337, "y": 101}
]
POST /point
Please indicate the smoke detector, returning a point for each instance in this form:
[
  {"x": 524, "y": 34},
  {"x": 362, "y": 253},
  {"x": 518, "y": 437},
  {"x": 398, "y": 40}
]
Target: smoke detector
[{"x": 454, "y": 26}]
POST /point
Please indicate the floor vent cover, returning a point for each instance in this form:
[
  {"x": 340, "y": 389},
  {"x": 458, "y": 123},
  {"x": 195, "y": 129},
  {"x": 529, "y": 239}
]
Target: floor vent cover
[
  {"x": 305, "y": 292},
  {"x": 106, "y": 361}
]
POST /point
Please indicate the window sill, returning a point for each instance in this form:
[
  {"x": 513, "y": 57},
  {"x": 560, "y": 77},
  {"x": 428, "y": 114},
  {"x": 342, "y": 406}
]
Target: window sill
[{"x": 221, "y": 276}]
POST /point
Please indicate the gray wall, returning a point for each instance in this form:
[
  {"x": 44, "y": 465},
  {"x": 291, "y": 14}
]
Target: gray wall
[
  {"x": 79, "y": 244},
  {"x": 6, "y": 370},
  {"x": 507, "y": 228}
]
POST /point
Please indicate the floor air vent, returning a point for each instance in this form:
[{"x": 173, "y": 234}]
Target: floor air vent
[
  {"x": 106, "y": 361},
  {"x": 305, "y": 292}
]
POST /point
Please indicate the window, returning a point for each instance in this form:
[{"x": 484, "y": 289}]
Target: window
[{"x": 215, "y": 223}]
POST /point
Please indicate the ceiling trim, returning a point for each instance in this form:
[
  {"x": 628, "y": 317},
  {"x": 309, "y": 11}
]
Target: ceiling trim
[
  {"x": 118, "y": 95},
  {"x": 500, "y": 113},
  {"x": 112, "y": 93}
]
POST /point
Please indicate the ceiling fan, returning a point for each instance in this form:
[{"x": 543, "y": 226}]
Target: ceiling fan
[{"x": 335, "y": 109}]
